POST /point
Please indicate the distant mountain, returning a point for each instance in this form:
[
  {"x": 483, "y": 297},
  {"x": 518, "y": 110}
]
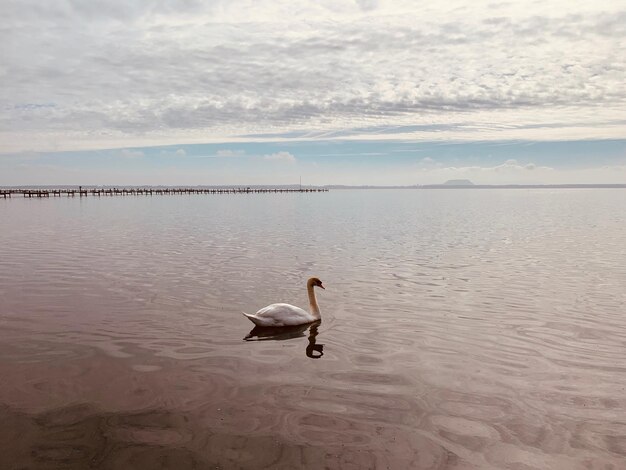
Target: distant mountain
[{"x": 458, "y": 183}]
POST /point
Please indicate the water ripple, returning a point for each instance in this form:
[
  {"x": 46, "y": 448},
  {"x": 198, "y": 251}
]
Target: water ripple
[{"x": 461, "y": 330}]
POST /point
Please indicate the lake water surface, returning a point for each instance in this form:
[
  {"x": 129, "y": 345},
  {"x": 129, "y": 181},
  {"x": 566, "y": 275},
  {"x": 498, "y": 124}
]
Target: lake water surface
[{"x": 461, "y": 329}]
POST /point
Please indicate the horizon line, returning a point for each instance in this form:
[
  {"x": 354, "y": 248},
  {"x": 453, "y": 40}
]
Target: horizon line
[{"x": 326, "y": 186}]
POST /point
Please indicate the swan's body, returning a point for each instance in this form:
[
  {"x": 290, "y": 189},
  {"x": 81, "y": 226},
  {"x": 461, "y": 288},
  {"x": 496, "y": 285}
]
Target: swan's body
[
  {"x": 289, "y": 315},
  {"x": 281, "y": 315}
]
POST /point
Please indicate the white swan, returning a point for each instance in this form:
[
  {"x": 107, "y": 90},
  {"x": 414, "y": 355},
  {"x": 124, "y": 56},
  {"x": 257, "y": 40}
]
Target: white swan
[{"x": 289, "y": 315}]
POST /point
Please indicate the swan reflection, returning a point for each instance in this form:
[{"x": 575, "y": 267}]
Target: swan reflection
[
  {"x": 269, "y": 333},
  {"x": 313, "y": 347}
]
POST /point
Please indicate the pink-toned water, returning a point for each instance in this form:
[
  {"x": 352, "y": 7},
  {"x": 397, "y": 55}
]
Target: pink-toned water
[{"x": 462, "y": 329}]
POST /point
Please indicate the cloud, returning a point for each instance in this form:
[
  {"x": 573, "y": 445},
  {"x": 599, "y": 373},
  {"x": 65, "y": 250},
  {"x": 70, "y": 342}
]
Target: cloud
[
  {"x": 184, "y": 70},
  {"x": 428, "y": 162},
  {"x": 512, "y": 165},
  {"x": 178, "y": 153},
  {"x": 280, "y": 157},
  {"x": 509, "y": 172},
  {"x": 367, "y": 5}
]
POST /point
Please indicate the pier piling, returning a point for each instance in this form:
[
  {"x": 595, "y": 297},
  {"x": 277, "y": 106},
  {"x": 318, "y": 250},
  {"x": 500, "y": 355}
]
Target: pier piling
[{"x": 142, "y": 191}]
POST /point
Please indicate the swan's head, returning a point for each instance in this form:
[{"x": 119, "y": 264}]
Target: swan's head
[{"x": 315, "y": 282}]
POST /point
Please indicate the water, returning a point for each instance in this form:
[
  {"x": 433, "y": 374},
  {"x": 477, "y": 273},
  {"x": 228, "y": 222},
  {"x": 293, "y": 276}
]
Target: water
[{"x": 460, "y": 329}]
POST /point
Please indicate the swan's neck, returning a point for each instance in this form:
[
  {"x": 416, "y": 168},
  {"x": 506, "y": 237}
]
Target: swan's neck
[{"x": 315, "y": 310}]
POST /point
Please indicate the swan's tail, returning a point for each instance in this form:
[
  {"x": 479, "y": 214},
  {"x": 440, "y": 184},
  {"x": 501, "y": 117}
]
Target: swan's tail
[{"x": 250, "y": 317}]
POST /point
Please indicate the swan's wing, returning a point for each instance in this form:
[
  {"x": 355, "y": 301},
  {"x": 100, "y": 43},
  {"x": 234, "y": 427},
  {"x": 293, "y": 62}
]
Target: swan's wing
[{"x": 283, "y": 315}]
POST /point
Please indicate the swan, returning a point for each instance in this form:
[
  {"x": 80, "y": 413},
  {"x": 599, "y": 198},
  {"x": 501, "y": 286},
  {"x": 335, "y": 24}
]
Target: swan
[{"x": 289, "y": 315}]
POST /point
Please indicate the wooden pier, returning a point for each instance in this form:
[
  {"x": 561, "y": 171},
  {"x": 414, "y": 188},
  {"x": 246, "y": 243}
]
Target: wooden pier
[{"x": 39, "y": 193}]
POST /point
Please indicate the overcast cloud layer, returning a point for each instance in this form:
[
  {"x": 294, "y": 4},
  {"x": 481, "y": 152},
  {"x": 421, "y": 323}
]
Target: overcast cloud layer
[{"x": 123, "y": 73}]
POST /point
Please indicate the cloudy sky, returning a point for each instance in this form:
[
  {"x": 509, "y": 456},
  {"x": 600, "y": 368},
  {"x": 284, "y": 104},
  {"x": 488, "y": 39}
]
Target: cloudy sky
[{"x": 335, "y": 91}]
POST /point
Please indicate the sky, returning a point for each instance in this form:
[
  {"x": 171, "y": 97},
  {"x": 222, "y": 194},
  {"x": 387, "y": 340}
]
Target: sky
[{"x": 357, "y": 92}]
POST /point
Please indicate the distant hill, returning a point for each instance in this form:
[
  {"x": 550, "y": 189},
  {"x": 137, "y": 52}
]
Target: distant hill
[{"x": 458, "y": 183}]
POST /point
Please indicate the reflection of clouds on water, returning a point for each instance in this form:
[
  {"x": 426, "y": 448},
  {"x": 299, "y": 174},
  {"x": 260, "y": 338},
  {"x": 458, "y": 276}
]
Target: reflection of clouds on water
[
  {"x": 80, "y": 436},
  {"x": 282, "y": 333}
]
